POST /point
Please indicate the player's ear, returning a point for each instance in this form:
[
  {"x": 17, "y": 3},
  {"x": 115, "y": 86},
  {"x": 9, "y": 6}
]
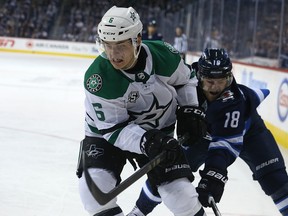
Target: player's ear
[{"x": 139, "y": 39}]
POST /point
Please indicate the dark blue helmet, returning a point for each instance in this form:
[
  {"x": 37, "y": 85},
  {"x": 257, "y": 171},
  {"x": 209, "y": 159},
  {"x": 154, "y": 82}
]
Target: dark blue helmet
[{"x": 214, "y": 63}]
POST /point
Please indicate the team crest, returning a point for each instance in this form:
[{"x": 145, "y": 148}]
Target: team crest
[
  {"x": 171, "y": 48},
  {"x": 133, "y": 16},
  {"x": 94, "y": 83},
  {"x": 227, "y": 95},
  {"x": 94, "y": 152}
]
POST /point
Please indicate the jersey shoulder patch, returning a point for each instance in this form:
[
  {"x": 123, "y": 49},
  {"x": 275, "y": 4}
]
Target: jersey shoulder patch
[
  {"x": 103, "y": 80},
  {"x": 165, "y": 57},
  {"x": 171, "y": 48},
  {"x": 226, "y": 95}
]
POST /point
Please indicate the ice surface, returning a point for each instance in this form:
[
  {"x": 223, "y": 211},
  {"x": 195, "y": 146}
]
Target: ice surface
[{"x": 41, "y": 125}]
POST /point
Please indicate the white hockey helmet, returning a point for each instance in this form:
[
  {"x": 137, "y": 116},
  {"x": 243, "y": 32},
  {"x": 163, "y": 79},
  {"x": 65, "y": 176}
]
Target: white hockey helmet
[{"x": 119, "y": 24}]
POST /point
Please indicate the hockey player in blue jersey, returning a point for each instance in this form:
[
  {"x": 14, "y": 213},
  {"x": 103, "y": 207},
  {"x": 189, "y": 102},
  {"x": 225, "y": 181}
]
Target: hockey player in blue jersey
[{"x": 235, "y": 130}]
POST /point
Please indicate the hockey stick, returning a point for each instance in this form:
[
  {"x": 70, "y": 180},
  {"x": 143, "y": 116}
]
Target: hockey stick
[
  {"x": 102, "y": 197},
  {"x": 214, "y": 206}
]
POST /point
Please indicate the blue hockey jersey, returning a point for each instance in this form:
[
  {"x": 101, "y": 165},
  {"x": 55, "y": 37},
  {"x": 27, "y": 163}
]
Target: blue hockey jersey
[{"x": 230, "y": 118}]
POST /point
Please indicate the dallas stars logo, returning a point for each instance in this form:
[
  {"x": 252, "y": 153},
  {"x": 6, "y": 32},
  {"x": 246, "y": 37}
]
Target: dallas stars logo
[
  {"x": 133, "y": 16},
  {"x": 152, "y": 116},
  {"x": 94, "y": 151},
  {"x": 94, "y": 83}
]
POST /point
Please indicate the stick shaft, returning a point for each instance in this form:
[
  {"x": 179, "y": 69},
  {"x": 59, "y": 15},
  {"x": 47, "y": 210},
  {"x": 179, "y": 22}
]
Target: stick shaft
[{"x": 214, "y": 206}]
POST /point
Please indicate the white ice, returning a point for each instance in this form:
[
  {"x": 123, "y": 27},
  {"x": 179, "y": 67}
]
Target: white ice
[{"x": 41, "y": 125}]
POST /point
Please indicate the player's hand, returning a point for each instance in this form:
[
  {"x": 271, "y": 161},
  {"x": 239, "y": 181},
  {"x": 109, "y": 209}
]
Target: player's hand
[
  {"x": 212, "y": 183},
  {"x": 155, "y": 141},
  {"x": 191, "y": 121}
]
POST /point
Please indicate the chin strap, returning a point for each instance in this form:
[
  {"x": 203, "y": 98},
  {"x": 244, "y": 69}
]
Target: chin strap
[{"x": 136, "y": 52}]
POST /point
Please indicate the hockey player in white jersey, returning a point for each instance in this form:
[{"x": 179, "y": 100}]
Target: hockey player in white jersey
[{"x": 132, "y": 92}]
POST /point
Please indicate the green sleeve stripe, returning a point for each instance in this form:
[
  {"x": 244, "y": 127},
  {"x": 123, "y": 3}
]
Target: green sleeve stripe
[
  {"x": 94, "y": 129},
  {"x": 112, "y": 139},
  {"x": 114, "y": 136},
  {"x": 193, "y": 74}
]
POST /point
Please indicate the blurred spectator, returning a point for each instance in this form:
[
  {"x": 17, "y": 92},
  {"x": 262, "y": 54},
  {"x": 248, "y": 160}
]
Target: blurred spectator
[
  {"x": 180, "y": 41},
  {"x": 30, "y": 19},
  {"x": 77, "y": 20},
  {"x": 212, "y": 41},
  {"x": 152, "y": 33},
  {"x": 284, "y": 61},
  {"x": 92, "y": 35},
  {"x": 83, "y": 18}
]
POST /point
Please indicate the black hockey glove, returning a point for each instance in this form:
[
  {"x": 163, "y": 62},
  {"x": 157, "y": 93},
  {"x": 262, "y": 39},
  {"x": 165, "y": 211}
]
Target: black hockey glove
[
  {"x": 154, "y": 141},
  {"x": 191, "y": 121},
  {"x": 212, "y": 183}
]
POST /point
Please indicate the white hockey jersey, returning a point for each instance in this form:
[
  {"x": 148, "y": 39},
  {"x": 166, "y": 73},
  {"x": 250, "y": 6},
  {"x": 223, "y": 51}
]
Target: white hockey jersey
[{"x": 122, "y": 106}]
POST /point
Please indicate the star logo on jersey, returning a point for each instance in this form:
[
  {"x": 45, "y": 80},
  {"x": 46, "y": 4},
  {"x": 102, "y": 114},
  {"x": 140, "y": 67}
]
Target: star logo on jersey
[
  {"x": 133, "y": 16},
  {"x": 94, "y": 83},
  {"x": 94, "y": 151},
  {"x": 151, "y": 116}
]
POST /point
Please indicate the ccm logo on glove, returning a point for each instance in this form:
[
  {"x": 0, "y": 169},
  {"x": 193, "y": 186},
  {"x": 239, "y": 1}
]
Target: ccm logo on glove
[{"x": 194, "y": 110}]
